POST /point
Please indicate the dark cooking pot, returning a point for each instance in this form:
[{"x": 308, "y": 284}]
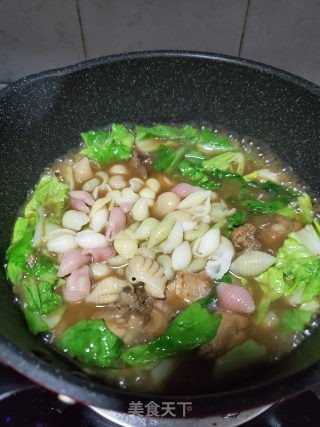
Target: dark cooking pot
[{"x": 41, "y": 117}]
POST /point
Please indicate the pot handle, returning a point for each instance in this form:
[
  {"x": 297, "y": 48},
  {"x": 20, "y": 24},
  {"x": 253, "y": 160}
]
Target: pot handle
[{"x": 11, "y": 382}]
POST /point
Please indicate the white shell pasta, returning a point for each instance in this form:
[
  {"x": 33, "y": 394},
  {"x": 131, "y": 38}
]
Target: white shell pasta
[
  {"x": 140, "y": 210},
  {"x": 181, "y": 215},
  {"x": 117, "y": 261},
  {"x": 174, "y": 239},
  {"x": 207, "y": 244},
  {"x": 99, "y": 220},
  {"x": 252, "y": 263},
  {"x": 117, "y": 182},
  {"x": 136, "y": 184},
  {"x": 74, "y": 220},
  {"x": 144, "y": 230},
  {"x": 196, "y": 265},
  {"x": 188, "y": 225},
  {"x": 146, "y": 252},
  {"x": 154, "y": 184},
  {"x": 149, "y": 272},
  {"x": 128, "y": 196},
  {"x": 100, "y": 270},
  {"x": 165, "y": 261},
  {"x": 107, "y": 290},
  {"x": 90, "y": 185},
  {"x": 62, "y": 243},
  {"x": 148, "y": 193},
  {"x": 52, "y": 231},
  {"x": 99, "y": 204},
  {"x": 165, "y": 203},
  {"x": 88, "y": 239},
  {"x": 198, "y": 232},
  {"x": 104, "y": 176},
  {"x": 181, "y": 256},
  {"x": 118, "y": 170},
  {"x": 161, "y": 231},
  {"x": 125, "y": 245},
  {"x": 194, "y": 199},
  {"x": 220, "y": 261}
]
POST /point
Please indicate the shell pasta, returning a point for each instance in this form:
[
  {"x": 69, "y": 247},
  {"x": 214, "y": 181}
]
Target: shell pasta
[{"x": 152, "y": 250}]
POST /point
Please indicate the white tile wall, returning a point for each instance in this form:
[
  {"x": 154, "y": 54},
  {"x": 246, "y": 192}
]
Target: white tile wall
[{"x": 40, "y": 34}]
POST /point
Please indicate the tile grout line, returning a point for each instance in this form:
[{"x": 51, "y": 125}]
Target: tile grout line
[
  {"x": 244, "y": 27},
  {"x": 81, "y": 29}
]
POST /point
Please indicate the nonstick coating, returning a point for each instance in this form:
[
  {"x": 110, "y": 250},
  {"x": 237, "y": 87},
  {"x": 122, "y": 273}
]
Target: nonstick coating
[{"x": 41, "y": 118}]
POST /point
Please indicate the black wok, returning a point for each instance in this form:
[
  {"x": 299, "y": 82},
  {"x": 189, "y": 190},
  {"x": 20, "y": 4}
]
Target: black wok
[{"x": 41, "y": 117}]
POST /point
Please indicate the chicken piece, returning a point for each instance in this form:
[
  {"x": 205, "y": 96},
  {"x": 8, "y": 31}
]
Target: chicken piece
[
  {"x": 272, "y": 235},
  {"x": 244, "y": 238},
  {"x": 127, "y": 317},
  {"x": 231, "y": 332},
  {"x": 140, "y": 161},
  {"x": 187, "y": 288},
  {"x": 157, "y": 324}
]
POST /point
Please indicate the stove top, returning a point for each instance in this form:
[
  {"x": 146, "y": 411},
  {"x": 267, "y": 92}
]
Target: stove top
[{"x": 37, "y": 407}]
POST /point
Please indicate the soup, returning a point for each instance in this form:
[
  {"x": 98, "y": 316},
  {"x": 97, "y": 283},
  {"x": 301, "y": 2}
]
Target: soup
[{"x": 152, "y": 251}]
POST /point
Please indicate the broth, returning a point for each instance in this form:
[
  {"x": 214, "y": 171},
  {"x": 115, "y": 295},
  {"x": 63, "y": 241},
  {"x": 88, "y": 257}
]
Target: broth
[{"x": 240, "y": 203}]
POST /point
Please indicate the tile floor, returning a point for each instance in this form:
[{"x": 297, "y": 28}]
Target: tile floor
[{"x": 41, "y": 34}]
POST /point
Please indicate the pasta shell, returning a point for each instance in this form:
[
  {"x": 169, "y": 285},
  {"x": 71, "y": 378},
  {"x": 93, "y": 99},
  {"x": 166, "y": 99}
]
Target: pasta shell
[
  {"x": 235, "y": 298},
  {"x": 99, "y": 204},
  {"x": 220, "y": 261},
  {"x": 146, "y": 252},
  {"x": 181, "y": 215},
  {"x": 161, "y": 231},
  {"x": 117, "y": 261},
  {"x": 140, "y": 210},
  {"x": 207, "y": 244},
  {"x": 165, "y": 203},
  {"x": 128, "y": 196},
  {"x": 88, "y": 239},
  {"x": 149, "y": 272},
  {"x": 107, "y": 290},
  {"x": 125, "y": 246},
  {"x": 154, "y": 184},
  {"x": 181, "y": 256},
  {"x": 147, "y": 193},
  {"x": 100, "y": 270},
  {"x": 196, "y": 265},
  {"x": 174, "y": 239},
  {"x": 99, "y": 220},
  {"x": 82, "y": 170},
  {"x": 136, "y": 184},
  {"x": 101, "y": 191},
  {"x": 90, "y": 185},
  {"x": 198, "y": 232},
  {"x": 117, "y": 182},
  {"x": 165, "y": 262},
  {"x": 103, "y": 176},
  {"x": 61, "y": 244},
  {"x": 252, "y": 263},
  {"x": 194, "y": 199},
  {"x": 189, "y": 225},
  {"x": 118, "y": 170},
  {"x": 53, "y": 231},
  {"x": 144, "y": 230}
]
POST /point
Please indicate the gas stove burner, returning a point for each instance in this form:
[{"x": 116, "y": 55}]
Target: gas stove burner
[{"x": 231, "y": 420}]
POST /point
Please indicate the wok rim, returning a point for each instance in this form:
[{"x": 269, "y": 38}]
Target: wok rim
[{"x": 43, "y": 373}]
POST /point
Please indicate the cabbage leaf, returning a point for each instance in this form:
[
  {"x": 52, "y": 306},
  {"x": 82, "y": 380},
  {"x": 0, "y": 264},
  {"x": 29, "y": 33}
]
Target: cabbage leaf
[
  {"x": 91, "y": 342},
  {"x": 192, "y": 327},
  {"x": 106, "y": 146}
]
